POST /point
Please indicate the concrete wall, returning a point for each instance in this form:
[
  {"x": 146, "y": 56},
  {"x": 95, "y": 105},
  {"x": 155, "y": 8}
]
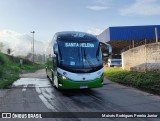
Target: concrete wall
[{"x": 142, "y": 58}]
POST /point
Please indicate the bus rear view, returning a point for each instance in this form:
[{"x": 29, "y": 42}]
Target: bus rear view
[{"x": 75, "y": 62}]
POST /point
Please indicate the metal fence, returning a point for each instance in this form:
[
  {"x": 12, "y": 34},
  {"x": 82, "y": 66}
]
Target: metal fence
[{"x": 139, "y": 43}]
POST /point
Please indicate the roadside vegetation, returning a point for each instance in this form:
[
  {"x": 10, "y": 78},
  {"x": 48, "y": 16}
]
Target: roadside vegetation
[
  {"x": 149, "y": 81},
  {"x": 10, "y": 69}
]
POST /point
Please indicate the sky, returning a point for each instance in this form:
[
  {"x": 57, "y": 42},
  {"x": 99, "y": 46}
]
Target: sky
[{"x": 46, "y": 17}]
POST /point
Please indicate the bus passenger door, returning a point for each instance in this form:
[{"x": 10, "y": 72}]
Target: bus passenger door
[{"x": 54, "y": 63}]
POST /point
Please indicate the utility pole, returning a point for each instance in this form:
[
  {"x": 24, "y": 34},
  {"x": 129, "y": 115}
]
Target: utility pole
[
  {"x": 133, "y": 43},
  {"x": 33, "y": 45},
  {"x": 156, "y": 33}
]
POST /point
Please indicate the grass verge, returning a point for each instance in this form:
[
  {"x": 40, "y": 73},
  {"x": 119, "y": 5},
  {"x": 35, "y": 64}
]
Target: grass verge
[
  {"x": 149, "y": 81},
  {"x": 10, "y": 69}
]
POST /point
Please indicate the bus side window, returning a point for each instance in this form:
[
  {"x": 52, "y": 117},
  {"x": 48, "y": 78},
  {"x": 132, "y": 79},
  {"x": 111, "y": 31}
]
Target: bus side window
[{"x": 47, "y": 63}]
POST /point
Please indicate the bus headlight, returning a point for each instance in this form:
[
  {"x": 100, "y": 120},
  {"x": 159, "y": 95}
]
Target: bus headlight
[{"x": 62, "y": 76}]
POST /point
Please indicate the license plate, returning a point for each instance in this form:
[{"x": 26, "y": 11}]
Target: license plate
[{"x": 83, "y": 87}]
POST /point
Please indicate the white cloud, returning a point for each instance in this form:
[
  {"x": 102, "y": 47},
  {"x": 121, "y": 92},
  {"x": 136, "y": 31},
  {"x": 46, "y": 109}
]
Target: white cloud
[
  {"x": 94, "y": 30},
  {"x": 99, "y": 5},
  {"x": 97, "y": 8},
  {"x": 20, "y": 43},
  {"x": 142, "y": 8}
]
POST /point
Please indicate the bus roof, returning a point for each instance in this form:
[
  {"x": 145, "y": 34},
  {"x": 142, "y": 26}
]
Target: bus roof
[{"x": 72, "y": 35}]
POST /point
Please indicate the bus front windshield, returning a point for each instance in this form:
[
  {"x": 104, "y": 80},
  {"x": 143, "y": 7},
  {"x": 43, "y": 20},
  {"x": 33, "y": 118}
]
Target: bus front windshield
[{"x": 80, "y": 56}]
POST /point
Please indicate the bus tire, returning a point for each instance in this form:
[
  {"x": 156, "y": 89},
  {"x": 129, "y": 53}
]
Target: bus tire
[{"x": 46, "y": 73}]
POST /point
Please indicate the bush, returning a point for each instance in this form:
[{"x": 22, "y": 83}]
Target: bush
[
  {"x": 10, "y": 69},
  {"x": 149, "y": 81},
  {"x": 3, "y": 59},
  {"x": 1, "y": 73}
]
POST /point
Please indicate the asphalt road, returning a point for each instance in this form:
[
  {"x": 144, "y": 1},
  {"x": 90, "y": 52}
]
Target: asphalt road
[{"x": 33, "y": 92}]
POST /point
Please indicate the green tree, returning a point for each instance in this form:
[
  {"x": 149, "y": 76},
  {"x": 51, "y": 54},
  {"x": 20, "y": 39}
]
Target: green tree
[
  {"x": 40, "y": 58},
  {"x": 1, "y": 46},
  {"x": 29, "y": 56},
  {"x": 9, "y": 51}
]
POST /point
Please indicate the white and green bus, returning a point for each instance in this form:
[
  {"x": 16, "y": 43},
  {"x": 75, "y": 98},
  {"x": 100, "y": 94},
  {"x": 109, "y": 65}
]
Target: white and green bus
[{"x": 74, "y": 61}]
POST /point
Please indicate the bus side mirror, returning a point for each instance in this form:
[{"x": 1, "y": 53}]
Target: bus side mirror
[
  {"x": 109, "y": 48},
  {"x": 106, "y": 49},
  {"x": 55, "y": 48}
]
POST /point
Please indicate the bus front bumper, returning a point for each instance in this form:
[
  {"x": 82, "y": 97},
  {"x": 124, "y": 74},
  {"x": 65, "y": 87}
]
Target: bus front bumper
[{"x": 69, "y": 84}]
